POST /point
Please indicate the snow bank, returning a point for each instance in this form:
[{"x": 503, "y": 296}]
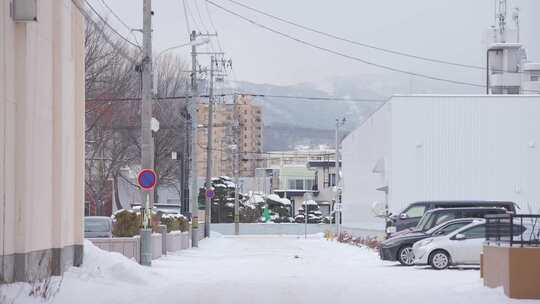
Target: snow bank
[
  {"x": 98, "y": 263},
  {"x": 274, "y": 197}
]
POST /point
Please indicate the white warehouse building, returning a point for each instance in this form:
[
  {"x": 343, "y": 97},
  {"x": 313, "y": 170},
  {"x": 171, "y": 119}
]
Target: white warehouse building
[{"x": 417, "y": 148}]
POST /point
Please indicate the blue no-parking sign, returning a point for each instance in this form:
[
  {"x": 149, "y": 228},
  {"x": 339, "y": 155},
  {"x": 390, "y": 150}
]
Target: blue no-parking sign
[
  {"x": 210, "y": 193},
  {"x": 147, "y": 179}
]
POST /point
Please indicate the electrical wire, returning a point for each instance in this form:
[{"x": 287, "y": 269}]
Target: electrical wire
[
  {"x": 302, "y": 98},
  {"x": 341, "y": 54},
  {"x": 109, "y": 26},
  {"x": 129, "y": 28},
  {"x": 212, "y": 24},
  {"x": 269, "y": 153},
  {"x": 188, "y": 27},
  {"x": 104, "y": 35},
  {"x": 340, "y": 38},
  {"x": 196, "y": 25}
]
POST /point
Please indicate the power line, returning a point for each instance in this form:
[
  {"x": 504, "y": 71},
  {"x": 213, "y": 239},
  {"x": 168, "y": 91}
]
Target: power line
[
  {"x": 120, "y": 20},
  {"x": 188, "y": 27},
  {"x": 109, "y": 26},
  {"x": 334, "y": 52},
  {"x": 315, "y": 98},
  {"x": 336, "y": 37},
  {"x": 276, "y": 153},
  {"x": 195, "y": 22},
  {"x": 305, "y": 98},
  {"x": 104, "y": 35},
  {"x": 212, "y": 25}
]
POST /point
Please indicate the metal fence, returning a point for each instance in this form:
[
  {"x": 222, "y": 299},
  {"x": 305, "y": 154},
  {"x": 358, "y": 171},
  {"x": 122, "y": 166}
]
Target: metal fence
[{"x": 513, "y": 229}]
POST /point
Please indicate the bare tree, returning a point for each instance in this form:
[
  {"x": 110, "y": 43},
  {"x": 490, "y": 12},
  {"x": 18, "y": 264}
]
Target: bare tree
[
  {"x": 109, "y": 136},
  {"x": 172, "y": 114},
  {"x": 113, "y": 115}
]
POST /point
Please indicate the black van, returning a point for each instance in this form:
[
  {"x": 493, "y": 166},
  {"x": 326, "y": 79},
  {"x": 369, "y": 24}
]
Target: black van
[{"x": 411, "y": 215}]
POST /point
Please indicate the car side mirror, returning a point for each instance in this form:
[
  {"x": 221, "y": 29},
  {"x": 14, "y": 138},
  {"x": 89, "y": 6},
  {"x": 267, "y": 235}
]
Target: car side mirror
[
  {"x": 460, "y": 237},
  {"x": 403, "y": 216}
]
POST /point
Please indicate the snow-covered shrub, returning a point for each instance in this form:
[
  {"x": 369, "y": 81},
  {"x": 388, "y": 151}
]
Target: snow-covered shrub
[
  {"x": 249, "y": 214},
  {"x": 126, "y": 223},
  {"x": 370, "y": 242},
  {"x": 175, "y": 222}
]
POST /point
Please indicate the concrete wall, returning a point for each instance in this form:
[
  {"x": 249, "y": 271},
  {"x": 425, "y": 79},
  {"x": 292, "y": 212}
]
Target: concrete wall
[
  {"x": 41, "y": 141},
  {"x": 443, "y": 148},
  {"x": 177, "y": 240},
  {"x": 131, "y": 246},
  {"x": 277, "y": 229},
  {"x": 127, "y": 246}
]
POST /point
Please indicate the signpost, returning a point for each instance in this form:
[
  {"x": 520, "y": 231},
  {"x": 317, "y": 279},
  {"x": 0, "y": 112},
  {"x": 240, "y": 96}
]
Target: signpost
[
  {"x": 307, "y": 197},
  {"x": 210, "y": 193},
  {"x": 146, "y": 179}
]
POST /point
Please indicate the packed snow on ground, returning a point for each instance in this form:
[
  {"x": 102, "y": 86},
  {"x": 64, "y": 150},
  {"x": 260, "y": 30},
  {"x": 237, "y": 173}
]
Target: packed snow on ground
[{"x": 262, "y": 269}]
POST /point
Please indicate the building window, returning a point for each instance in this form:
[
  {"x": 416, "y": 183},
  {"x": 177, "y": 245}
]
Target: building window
[
  {"x": 535, "y": 77},
  {"x": 331, "y": 180},
  {"x": 296, "y": 184},
  {"x": 309, "y": 184}
]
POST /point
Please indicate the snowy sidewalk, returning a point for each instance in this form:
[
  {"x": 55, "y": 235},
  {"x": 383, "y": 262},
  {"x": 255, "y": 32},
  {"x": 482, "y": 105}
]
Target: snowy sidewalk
[{"x": 266, "y": 269}]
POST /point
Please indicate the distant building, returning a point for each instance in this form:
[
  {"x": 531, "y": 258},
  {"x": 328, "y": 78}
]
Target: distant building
[
  {"x": 294, "y": 182},
  {"x": 292, "y": 174},
  {"x": 509, "y": 70},
  {"x": 275, "y": 159},
  {"x": 325, "y": 182},
  {"x": 248, "y": 134},
  {"x": 420, "y": 148}
]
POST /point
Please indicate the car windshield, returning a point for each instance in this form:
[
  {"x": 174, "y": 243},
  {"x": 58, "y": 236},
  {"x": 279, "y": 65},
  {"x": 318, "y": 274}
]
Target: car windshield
[
  {"x": 95, "y": 225},
  {"x": 423, "y": 222},
  {"x": 445, "y": 228}
]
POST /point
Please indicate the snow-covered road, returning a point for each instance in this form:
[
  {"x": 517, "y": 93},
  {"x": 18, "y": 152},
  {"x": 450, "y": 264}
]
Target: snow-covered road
[{"x": 267, "y": 269}]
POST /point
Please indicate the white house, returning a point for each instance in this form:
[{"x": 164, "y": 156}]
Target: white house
[{"x": 416, "y": 148}]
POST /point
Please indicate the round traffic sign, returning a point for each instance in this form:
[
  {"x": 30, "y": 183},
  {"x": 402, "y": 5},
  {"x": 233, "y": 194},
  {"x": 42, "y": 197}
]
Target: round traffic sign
[
  {"x": 210, "y": 193},
  {"x": 147, "y": 179}
]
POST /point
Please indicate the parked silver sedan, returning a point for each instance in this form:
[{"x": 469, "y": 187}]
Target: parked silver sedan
[{"x": 97, "y": 227}]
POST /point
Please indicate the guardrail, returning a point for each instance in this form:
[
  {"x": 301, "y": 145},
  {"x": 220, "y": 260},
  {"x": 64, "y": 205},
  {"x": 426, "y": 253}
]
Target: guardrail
[{"x": 513, "y": 229}]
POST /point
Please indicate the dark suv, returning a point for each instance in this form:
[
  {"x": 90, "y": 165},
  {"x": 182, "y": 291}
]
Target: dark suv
[
  {"x": 436, "y": 217},
  {"x": 411, "y": 215}
]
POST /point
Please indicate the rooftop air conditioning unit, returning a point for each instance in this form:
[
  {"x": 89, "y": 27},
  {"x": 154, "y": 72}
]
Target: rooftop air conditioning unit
[{"x": 24, "y": 10}]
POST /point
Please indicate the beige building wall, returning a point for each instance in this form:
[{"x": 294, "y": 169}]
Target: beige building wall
[
  {"x": 249, "y": 137},
  {"x": 41, "y": 141}
]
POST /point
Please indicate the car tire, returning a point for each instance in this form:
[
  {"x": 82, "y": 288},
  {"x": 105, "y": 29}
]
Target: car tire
[
  {"x": 406, "y": 256},
  {"x": 439, "y": 259}
]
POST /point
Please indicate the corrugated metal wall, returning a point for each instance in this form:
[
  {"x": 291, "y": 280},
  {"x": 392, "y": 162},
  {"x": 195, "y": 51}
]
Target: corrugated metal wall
[
  {"x": 446, "y": 147},
  {"x": 364, "y": 149}
]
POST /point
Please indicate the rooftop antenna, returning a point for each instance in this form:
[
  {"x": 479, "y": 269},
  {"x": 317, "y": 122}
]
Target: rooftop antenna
[
  {"x": 515, "y": 17},
  {"x": 501, "y": 18}
]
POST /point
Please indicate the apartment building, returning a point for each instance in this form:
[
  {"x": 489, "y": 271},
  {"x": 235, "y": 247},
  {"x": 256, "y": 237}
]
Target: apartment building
[{"x": 239, "y": 122}]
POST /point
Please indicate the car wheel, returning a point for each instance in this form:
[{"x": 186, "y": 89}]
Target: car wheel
[
  {"x": 439, "y": 260},
  {"x": 406, "y": 256}
]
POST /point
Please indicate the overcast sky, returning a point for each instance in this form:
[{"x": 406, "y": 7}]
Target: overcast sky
[{"x": 445, "y": 29}]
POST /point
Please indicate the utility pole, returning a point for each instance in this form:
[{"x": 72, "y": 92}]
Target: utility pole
[
  {"x": 194, "y": 191},
  {"x": 209, "y": 160},
  {"x": 236, "y": 169},
  {"x": 147, "y": 147},
  {"x": 337, "y": 207}
]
